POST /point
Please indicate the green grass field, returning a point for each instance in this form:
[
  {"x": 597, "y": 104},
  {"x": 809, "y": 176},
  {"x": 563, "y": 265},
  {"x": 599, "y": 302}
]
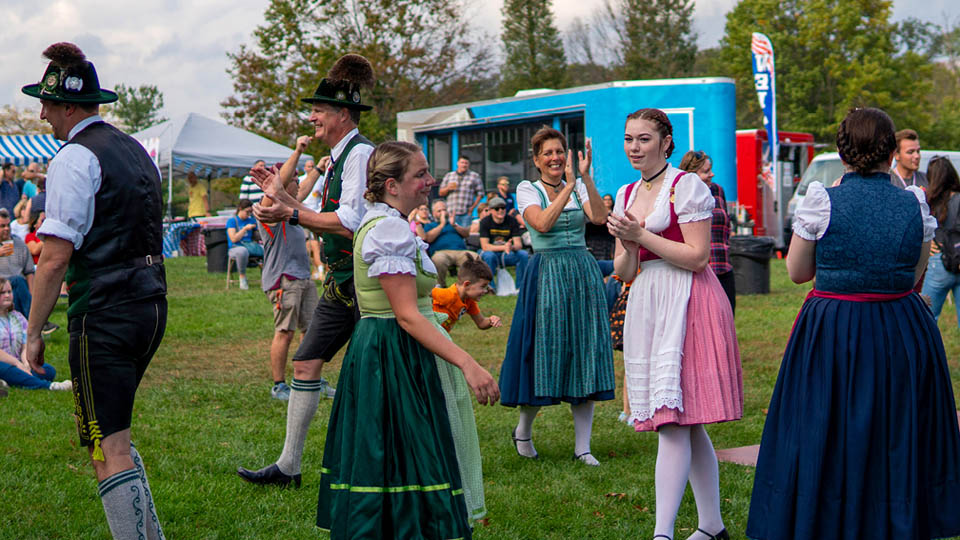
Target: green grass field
[{"x": 204, "y": 408}]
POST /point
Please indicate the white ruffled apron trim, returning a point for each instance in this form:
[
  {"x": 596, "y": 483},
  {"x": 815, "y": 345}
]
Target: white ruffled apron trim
[{"x": 654, "y": 331}]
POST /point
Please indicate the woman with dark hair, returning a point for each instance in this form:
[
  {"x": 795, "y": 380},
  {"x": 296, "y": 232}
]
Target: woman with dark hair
[
  {"x": 14, "y": 368},
  {"x": 700, "y": 163},
  {"x": 680, "y": 350},
  {"x": 390, "y": 463},
  {"x": 942, "y": 196},
  {"x": 559, "y": 345},
  {"x": 240, "y": 240},
  {"x": 861, "y": 438}
]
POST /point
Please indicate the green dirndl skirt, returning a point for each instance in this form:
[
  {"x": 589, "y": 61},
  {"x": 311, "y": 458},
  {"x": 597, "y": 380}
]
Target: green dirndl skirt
[{"x": 389, "y": 465}]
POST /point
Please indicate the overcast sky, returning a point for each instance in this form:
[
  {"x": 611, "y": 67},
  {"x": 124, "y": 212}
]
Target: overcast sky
[{"x": 181, "y": 46}]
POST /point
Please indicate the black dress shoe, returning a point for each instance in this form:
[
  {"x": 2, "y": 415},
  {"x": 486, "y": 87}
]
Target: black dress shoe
[
  {"x": 269, "y": 475},
  {"x": 722, "y": 535}
]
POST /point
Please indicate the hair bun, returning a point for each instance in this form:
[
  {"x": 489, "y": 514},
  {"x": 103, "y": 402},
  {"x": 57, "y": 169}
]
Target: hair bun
[
  {"x": 354, "y": 69},
  {"x": 65, "y": 54}
]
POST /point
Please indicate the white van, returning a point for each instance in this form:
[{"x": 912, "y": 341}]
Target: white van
[{"x": 826, "y": 168}]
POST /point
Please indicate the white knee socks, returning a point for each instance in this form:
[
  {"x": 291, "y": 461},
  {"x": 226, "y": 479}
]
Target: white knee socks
[
  {"x": 582, "y": 428},
  {"x": 525, "y": 431},
  {"x": 304, "y": 397}
]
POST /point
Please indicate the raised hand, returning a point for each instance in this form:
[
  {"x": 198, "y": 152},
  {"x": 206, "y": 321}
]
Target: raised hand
[
  {"x": 302, "y": 142},
  {"x": 627, "y": 229},
  {"x": 585, "y": 160}
]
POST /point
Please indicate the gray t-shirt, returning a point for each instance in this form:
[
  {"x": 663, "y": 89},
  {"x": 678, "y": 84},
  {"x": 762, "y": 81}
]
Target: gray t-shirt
[
  {"x": 18, "y": 264},
  {"x": 284, "y": 254}
]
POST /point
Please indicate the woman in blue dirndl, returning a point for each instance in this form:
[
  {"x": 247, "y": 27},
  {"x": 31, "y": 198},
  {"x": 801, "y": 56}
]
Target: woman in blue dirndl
[
  {"x": 559, "y": 346},
  {"x": 861, "y": 439}
]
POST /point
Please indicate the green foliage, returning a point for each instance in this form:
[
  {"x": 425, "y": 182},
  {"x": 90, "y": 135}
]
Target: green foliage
[
  {"x": 417, "y": 48},
  {"x": 137, "y": 108},
  {"x": 657, "y": 40},
  {"x": 535, "y": 56},
  {"x": 831, "y": 55}
]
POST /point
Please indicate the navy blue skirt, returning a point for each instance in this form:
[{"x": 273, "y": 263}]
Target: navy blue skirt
[
  {"x": 861, "y": 439},
  {"x": 576, "y": 361}
]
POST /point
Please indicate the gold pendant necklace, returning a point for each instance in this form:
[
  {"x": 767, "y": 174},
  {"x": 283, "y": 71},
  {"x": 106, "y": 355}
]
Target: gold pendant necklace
[{"x": 648, "y": 182}]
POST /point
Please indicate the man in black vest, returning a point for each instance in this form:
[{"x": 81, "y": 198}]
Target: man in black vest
[
  {"x": 103, "y": 232},
  {"x": 336, "y": 107}
]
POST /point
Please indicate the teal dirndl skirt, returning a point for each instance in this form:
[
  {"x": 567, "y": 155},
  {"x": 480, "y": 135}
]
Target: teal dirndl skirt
[{"x": 559, "y": 347}]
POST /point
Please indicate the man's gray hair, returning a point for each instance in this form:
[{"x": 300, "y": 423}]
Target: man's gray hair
[{"x": 4, "y": 213}]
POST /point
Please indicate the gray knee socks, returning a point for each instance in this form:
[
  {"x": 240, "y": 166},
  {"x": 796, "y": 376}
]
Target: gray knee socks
[{"x": 304, "y": 397}]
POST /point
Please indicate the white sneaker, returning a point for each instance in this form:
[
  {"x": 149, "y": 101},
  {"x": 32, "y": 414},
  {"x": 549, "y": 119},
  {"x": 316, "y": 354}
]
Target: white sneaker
[
  {"x": 66, "y": 385},
  {"x": 4, "y": 388},
  {"x": 243, "y": 283}
]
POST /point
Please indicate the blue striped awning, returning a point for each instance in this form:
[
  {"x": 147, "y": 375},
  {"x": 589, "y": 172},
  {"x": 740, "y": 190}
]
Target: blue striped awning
[{"x": 25, "y": 149}]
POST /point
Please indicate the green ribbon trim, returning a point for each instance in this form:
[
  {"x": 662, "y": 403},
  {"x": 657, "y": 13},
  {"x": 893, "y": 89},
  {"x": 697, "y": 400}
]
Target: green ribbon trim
[{"x": 397, "y": 489}]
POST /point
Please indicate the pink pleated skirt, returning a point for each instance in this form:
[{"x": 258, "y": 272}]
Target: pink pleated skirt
[{"x": 710, "y": 375}]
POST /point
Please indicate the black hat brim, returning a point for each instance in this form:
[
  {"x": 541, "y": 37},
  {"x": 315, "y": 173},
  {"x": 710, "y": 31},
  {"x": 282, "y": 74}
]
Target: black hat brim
[
  {"x": 337, "y": 102},
  {"x": 103, "y": 96}
]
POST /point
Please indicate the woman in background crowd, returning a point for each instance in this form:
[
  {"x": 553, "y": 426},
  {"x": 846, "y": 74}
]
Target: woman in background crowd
[
  {"x": 943, "y": 196},
  {"x": 700, "y": 163},
  {"x": 13, "y": 334}
]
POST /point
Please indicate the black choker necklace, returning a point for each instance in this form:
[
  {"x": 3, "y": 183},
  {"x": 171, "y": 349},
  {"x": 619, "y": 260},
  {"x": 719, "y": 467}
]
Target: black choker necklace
[
  {"x": 556, "y": 187},
  {"x": 648, "y": 182}
]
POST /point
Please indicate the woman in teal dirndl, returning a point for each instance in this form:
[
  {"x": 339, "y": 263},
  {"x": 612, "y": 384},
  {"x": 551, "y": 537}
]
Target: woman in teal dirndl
[
  {"x": 389, "y": 465},
  {"x": 559, "y": 345}
]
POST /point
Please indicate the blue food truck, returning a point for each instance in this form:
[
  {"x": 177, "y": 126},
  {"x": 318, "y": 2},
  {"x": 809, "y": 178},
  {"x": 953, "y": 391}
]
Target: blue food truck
[{"x": 495, "y": 134}]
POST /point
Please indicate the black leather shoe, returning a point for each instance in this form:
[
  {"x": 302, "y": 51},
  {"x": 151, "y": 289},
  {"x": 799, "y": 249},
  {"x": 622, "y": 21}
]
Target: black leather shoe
[
  {"x": 269, "y": 475},
  {"x": 722, "y": 535}
]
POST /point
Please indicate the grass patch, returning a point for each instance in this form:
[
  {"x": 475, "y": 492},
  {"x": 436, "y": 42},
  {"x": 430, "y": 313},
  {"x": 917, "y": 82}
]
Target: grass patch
[{"x": 204, "y": 408}]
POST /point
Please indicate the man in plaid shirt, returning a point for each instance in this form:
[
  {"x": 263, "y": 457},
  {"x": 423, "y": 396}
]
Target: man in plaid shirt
[{"x": 463, "y": 190}]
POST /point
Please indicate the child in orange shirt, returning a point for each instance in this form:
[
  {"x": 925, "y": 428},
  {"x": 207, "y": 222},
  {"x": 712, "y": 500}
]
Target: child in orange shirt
[{"x": 473, "y": 281}]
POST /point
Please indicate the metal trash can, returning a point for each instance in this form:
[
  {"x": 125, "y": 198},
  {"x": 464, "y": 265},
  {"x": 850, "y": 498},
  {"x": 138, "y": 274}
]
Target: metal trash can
[
  {"x": 216, "y": 242},
  {"x": 750, "y": 257}
]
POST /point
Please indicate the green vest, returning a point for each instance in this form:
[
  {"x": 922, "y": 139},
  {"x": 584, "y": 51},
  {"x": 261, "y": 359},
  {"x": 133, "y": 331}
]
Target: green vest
[
  {"x": 337, "y": 250},
  {"x": 371, "y": 299}
]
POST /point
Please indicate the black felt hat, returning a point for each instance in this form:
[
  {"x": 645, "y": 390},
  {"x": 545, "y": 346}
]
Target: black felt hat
[
  {"x": 70, "y": 85},
  {"x": 340, "y": 93}
]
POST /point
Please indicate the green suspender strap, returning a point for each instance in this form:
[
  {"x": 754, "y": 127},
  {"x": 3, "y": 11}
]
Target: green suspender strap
[{"x": 337, "y": 250}]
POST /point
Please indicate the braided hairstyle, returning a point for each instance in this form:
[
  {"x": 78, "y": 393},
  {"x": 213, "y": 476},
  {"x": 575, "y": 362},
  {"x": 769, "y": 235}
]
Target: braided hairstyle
[
  {"x": 660, "y": 121},
  {"x": 866, "y": 140},
  {"x": 389, "y": 160}
]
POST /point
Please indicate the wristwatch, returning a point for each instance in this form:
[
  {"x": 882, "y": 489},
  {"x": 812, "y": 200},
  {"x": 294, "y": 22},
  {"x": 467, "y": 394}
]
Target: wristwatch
[{"x": 295, "y": 218}]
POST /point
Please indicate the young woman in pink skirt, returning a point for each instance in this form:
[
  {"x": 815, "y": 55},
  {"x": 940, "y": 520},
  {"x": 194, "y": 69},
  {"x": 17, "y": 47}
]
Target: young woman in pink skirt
[{"x": 680, "y": 345}]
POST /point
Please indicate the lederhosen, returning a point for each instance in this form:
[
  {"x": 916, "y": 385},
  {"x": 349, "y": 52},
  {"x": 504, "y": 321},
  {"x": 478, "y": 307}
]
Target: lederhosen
[
  {"x": 117, "y": 286},
  {"x": 336, "y": 313}
]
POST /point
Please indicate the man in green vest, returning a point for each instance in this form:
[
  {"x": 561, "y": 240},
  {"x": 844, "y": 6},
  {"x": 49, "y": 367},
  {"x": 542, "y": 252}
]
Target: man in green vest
[{"x": 335, "y": 113}]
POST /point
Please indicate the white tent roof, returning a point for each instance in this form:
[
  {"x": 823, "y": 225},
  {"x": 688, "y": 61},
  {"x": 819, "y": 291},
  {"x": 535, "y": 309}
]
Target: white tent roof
[{"x": 208, "y": 147}]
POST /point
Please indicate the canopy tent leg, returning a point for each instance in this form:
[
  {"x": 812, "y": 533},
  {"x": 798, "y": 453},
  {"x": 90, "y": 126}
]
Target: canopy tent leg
[{"x": 170, "y": 188}]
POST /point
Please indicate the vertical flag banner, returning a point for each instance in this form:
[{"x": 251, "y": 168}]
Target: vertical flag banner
[{"x": 764, "y": 80}]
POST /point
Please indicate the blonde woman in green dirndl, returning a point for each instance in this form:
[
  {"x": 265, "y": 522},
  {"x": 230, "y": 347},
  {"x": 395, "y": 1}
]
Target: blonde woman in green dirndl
[{"x": 392, "y": 467}]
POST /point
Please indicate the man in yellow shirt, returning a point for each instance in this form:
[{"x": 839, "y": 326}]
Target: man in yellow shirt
[{"x": 199, "y": 204}]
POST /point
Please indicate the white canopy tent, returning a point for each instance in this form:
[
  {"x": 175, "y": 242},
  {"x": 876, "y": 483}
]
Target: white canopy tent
[
  {"x": 25, "y": 149},
  {"x": 209, "y": 148}
]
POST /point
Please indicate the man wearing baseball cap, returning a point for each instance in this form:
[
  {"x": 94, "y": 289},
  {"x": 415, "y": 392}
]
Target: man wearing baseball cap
[{"x": 103, "y": 233}]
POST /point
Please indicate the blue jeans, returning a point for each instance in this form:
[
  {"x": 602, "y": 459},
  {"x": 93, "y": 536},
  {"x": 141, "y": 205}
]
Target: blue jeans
[
  {"x": 495, "y": 259},
  {"x": 21, "y": 295},
  {"x": 938, "y": 284},
  {"x": 34, "y": 381},
  {"x": 463, "y": 220}
]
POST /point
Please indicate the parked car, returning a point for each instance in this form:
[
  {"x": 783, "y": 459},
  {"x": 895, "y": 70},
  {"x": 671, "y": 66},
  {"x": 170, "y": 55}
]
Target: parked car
[{"x": 826, "y": 168}]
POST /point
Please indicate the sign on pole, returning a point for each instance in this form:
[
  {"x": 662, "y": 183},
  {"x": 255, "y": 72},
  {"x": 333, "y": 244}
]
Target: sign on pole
[{"x": 764, "y": 80}]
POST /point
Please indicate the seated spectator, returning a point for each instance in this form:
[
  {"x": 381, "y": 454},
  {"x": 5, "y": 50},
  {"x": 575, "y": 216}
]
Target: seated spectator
[
  {"x": 500, "y": 239},
  {"x": 14, "y": 369},
  {"x": 421, "y": 217},
  {"x": 20, "y": 225},
  {"x": 447, "y": 248},
  {"x": 39, "y": 201},
  {"x": 473, "y": 241},
  {"x": 33, "y": 242},
  {"x": 503, "y": 191},
  {"x": 240, "y": 239},
  {"x": 9, "y": 195},
  {"x": 16, "y": 265}
]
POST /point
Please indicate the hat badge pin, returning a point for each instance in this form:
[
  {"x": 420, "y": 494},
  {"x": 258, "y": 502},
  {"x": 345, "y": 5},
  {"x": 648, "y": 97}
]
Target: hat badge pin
[
  {"x": 341, "y": 96},
  {"x": 356, "y": 96},
  {"x": 73, "y": 84},
  {"x": 51, "y": 81}
]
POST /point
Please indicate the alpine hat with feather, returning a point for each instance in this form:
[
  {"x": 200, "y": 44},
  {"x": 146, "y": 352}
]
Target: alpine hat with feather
[
  {"x": 343, "y": 83},
  {"x": 69, "y": 78}
]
